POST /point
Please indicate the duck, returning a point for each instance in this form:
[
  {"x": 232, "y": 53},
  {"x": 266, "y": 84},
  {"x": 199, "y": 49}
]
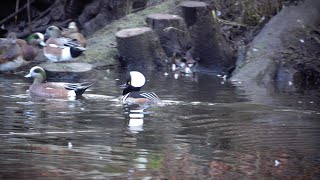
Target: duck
[
  {"x": 44, "y": 89},
  {"x": 11, "y": 56},
  {"x": 31, "y": 46},
  {"x": 58, "y": 48},
  {"x": 72, "y": 32},
  {"x": 183, "y": 63},
  {"x": 132, "y": 94}
]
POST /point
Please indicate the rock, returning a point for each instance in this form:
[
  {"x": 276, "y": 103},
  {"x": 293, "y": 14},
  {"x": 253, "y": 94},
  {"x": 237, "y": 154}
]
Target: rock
[
  {"x": 71, "y": 71},
  {"x": 265, "y": 56}
]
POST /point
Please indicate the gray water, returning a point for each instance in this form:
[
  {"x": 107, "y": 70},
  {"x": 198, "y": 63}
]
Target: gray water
[{"x": 204, "y": 129}]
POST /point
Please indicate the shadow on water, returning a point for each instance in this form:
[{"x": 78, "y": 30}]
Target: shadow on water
[{"x": 204, "y": 128}]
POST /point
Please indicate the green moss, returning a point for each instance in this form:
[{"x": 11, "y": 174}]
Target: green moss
[
  {"x": 102, "y": 44},
  {"x": 155, "y": 161}
]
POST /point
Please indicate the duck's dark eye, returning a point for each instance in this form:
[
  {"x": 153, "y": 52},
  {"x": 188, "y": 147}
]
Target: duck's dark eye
[
  {"x": 128, "y": 78},
  {"x": 36, "y": 70}
]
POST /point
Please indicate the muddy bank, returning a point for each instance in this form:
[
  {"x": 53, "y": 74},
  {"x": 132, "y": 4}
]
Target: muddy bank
[{"x": 286, "y": 52}]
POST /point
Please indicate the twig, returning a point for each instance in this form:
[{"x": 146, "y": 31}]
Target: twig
[
  {"x": 46, "y": 11},
  {"x": 13, "y": 14},
  {"x": 170, "y": 28},
  {"x": 17, "y": 8},
  {"x": 316, "y": 39},
  {"x": 232, "y": 23},
  {"x": 29, "y": 16}
]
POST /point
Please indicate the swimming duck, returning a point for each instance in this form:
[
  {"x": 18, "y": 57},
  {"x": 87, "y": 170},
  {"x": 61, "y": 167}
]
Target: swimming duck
[
  {"x": 11, "y": 56},
  {"x": 182, "y": 63},
  {"x": 73, "y": 33},
  {"x": 59, "y": 48},
  {"x": 133, "y": 95},
  {"x": 54, "y": 89}
]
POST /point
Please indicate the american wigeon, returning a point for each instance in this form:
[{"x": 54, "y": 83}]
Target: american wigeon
[
  {"x": 31, "y": 46},
  {"x": 11, "y": 56},
  {"x": 132, "y": 94},
  {"x": 59, "y": 48},
  {"x": 54, "y": 89},
  {"x": 73, "y": 33}
]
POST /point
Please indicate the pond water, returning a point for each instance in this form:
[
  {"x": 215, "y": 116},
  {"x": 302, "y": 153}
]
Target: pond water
[{"x": 204, "y": 129}]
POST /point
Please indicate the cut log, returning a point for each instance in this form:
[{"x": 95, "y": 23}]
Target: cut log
[
  {"x": 209, "y": 44},
  {"x": 171, "y": 30},
  {"x": 140, "y": 48},
  {"x": 70, "y": 72}
]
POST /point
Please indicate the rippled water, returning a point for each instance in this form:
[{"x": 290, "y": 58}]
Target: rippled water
[{"x": 205, "y": 128}]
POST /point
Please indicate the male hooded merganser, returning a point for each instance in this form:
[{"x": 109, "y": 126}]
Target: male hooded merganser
[
  {"x": 54, "y": 89},
  {"x": 133, "y": 95},
  {"x": 58, "y": 48}
]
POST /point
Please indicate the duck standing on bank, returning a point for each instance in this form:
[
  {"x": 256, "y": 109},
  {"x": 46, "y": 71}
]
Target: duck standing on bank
[
  {"x": 58, "y": 48},
  {"x": 133, "y": 95},
  {"x": 15, "y": 53},
  {"x": 72, "y": 32},
  {"x": 54, "y": 89},
  {"x": 31, "y": 46}
]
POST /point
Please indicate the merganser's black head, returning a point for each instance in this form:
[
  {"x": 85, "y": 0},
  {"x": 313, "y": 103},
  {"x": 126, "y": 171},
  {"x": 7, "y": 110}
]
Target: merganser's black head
[{"x": 135, "y": 80}]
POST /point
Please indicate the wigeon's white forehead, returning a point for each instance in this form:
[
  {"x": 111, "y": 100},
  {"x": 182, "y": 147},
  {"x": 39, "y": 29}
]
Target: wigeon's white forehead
[
  {"x": 40, "y": 35},
  {"x": 137, "y": 79}
]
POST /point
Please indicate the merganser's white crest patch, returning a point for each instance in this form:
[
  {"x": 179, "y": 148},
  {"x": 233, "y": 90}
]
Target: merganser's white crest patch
[{"x": 137, "y": 79}]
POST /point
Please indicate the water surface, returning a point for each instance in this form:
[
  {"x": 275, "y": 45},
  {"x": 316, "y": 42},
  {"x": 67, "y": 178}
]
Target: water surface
[{"x": 205, "y": 128}]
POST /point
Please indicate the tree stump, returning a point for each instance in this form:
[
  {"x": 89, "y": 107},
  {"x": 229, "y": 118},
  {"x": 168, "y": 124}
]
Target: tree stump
[
  {"x": 70, "y": 72},
  {"x": 209, "y": 44},
  {"x": 171, "y": 30},
  {"x": 140, "y": 48}
]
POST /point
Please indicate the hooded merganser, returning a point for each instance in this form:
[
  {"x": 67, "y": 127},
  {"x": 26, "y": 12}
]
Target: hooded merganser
[
  {"x": 54, "y": 89},
  {"x": 133, "y": 95}
]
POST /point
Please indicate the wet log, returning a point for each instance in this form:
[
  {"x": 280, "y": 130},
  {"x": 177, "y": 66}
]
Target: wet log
[
  {"x": 140, "y": 48},
  {"x": 171, "y": 30},
  {"x": 69, "y": 72},
  {"x": 208, "y": 42}
]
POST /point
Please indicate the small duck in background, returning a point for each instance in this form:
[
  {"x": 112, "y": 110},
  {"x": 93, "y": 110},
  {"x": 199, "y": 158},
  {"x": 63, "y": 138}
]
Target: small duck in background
[
  {"x": 73, "y": 33},
  {"x": 15, "y": 52},
  {"x": 183, "y": 63},
  {"x": 54, "y": 89},
  {"x": 58, "y": 48},
  {"x": 133, "y": 95},
  {"x": 3, "y": 31},
  {"x": 11, "y": 56},
  {"x": 31, "y": 46}
]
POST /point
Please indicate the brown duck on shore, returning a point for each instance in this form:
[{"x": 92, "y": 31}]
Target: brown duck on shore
[{"x": 73, "y": 33}]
